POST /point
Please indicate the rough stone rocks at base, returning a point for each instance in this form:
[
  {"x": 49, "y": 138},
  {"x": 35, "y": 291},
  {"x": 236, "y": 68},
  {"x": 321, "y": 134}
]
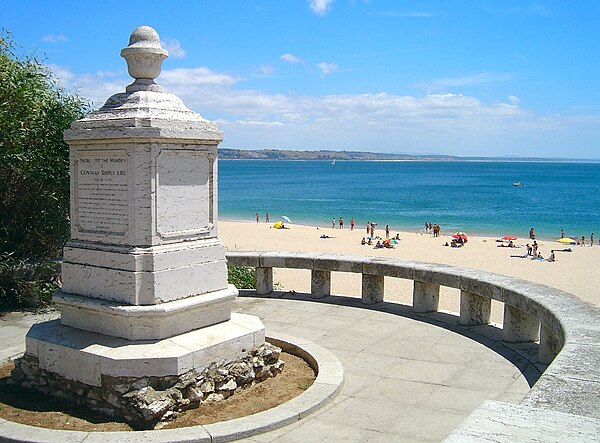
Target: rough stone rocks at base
[{"x": 145, "y": 401}]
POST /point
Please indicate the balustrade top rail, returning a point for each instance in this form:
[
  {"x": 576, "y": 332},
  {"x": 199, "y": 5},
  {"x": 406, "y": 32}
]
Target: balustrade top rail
[{"x": 571, "y": 383}]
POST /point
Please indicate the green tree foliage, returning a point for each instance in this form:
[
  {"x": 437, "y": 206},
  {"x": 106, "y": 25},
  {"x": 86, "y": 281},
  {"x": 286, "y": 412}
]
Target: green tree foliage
[
  {"x": 34, "y": 169},
  {"x": 242, "y": 277}
]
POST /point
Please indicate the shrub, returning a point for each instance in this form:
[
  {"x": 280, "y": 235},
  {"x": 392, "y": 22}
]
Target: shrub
[
  {"x": 242, "y": 277},
  {"x": 34, "y": 174}
]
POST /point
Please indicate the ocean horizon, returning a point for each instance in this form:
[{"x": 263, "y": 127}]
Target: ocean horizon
[{"x": 477, "y": 197}]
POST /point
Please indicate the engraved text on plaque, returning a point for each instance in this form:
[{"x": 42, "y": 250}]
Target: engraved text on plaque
[{"x": 102, "y": 192}]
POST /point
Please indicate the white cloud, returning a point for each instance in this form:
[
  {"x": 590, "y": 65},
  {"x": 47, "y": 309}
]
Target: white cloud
[
  {"x": 326, "y": 68},
  {"x": 173, "y": 46},
  {"x": 260, "y": 124},
  {"x": 194, "y": 76},
  {"x": 291, "y": 58},
  {"x": 54, "y": 38},
  {"x": 320, "y": 7},
  {"x": 96, "y": 87},
  {"x": 435, "y": 122},
  {"x": 266, "y": 69},
  {"x": 468, "y": 80}
]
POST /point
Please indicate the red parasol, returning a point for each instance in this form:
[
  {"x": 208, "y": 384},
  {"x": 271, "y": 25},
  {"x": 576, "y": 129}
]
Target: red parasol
[{"x": 460, "y": 235}]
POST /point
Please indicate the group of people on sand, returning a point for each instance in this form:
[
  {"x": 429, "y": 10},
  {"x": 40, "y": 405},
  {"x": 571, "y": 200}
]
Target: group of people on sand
[
  {"x": 456, "y": 242},
  {"x": 582, "y": 242},
  {"x": 267, "y": 218},
  {"x": 381, "y": 243},
  {"x": 534, "y": 253},
  {"x": 432, "y": 228},
  {"x": 341, "y": 223}
]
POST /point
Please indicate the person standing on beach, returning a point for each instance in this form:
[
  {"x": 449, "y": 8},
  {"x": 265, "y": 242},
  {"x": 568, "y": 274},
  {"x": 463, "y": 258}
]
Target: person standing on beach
[
  {"x": 368, "y": 227},
  {"x": 583, "y": 240},
  {"x": 341, "y": 223},
  {"x": 387, "y": 231},
  {"x": 352, "y": 224},
  {"x": 257, "y": 217},
  {"x": 373, "y": 229},
  {"x": 531, "y": 234},
  {"x": 534, "y": 249},
  {"x": 267, "y": 219},
  {"x": 426, "y": 226},
  {"x": 592, "y": 240},
  {"x": 333, "y": 222},
  {"x": 562, "y": 233}
]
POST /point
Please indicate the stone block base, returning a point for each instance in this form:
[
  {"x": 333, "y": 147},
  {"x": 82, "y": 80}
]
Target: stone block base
[
  {"x": 154, "y": 322},
  {"x": 144, "y": 401},
  {"x": 144, "y": 276},
  {"x": 89, "y": 357}
]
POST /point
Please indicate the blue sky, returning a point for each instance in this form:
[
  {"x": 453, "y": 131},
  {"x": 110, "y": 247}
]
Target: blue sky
[{"x": 487, "y": 78}]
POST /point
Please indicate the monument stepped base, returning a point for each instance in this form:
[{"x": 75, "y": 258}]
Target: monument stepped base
[
  {"x": 147, "y": 322},
  {"x": 146, "y": 381},
  {"x": 87, "y": 357}
]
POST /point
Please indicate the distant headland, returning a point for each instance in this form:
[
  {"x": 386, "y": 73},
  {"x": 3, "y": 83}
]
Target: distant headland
[{"x": 291, "y": 154}]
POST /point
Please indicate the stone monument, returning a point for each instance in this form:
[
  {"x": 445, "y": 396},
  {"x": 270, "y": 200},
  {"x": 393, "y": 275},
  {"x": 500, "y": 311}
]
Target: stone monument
[{"x": 145, "y": 304}]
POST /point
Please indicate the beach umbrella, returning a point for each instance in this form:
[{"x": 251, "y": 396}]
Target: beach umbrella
[
  {"x": 567, "y": 240},
  {"x": 460, "y": 235},
  {"x": 287, "y": 219},
  {"x": 509, "y": 237}
]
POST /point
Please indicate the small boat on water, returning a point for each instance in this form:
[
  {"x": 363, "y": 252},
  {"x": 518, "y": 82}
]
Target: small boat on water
[{"x": 518, "y": 184}]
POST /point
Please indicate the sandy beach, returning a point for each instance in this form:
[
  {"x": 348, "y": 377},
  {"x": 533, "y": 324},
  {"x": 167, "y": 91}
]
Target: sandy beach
[{"x": 575, "y": 272}]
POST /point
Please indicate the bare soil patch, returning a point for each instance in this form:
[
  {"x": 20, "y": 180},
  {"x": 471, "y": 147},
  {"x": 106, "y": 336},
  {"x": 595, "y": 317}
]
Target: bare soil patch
[{"x": 32, "y": 408}]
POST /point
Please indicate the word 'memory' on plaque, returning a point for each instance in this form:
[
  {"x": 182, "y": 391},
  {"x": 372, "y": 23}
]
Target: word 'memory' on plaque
[{"x": 102, "y": 192}]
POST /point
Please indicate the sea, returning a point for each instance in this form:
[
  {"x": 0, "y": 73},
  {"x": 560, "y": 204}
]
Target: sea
[{"x": 475, "y": 197}]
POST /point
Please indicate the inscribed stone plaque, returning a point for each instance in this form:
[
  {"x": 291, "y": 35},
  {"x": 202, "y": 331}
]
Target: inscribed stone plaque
[
  {"x": 102, "y": 192},
  {"x": 183, "y": 196}
]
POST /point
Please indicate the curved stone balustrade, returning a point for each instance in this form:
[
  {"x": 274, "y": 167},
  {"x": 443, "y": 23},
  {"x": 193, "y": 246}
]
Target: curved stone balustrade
[{"x": 567, "y": 328}]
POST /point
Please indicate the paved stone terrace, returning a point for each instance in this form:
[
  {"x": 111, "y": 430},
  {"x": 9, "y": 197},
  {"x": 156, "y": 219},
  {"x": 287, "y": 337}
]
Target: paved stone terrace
[{"x": 406, "y": 378}]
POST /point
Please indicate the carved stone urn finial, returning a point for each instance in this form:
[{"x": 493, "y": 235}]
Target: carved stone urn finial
[{"x": 144, "y": 56}]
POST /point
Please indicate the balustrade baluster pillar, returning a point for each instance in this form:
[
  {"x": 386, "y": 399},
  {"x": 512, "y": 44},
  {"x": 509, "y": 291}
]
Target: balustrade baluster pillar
[
  {"x": 372, "y": 289},
  {"x": 426, "y": 297},
  {"x": 519, "y": 326},
  {"x": 549, "y": 346},
  {"x": 320, "y": 283},
  {"x": 474, "y": 309},
  {"x": 264, "y": 281}
]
